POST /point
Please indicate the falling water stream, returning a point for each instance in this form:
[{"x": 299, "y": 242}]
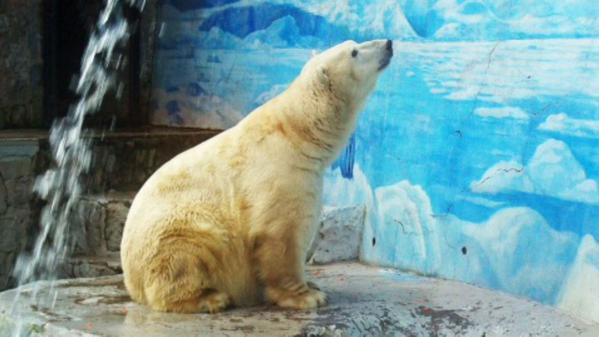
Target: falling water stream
[{"x": 60, "y": 186}]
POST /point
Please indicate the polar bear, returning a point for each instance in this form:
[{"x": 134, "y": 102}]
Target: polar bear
[{"x": 228, "y": 222}]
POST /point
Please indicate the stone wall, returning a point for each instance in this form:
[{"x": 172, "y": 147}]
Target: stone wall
[
  {"x": 20, "y": 64},
  {"x": 20, "y": 162},
  {"x": 97, "y": 228}
]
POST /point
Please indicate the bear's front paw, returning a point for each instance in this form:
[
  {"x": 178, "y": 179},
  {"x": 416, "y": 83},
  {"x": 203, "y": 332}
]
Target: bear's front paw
[{"x": 304, "y": 297}]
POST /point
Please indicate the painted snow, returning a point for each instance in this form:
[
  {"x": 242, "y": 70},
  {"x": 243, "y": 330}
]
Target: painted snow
[{"x": 476, "y": 157}]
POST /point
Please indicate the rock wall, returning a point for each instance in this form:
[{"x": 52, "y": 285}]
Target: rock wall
[
  {"x": 20, "y": 162},
  {"x": 97, "y": 228}
]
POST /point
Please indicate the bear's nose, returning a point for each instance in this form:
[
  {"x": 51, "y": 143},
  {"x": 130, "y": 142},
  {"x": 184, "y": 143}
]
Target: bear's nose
[{"x": 389, "y": 45}]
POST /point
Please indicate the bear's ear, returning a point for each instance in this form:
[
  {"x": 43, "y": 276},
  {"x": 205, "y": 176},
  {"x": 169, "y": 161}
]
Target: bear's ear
[{"x": 313, "y": 53}]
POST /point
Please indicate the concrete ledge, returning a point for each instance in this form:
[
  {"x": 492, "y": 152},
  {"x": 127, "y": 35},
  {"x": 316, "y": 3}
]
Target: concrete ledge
[
  {"x": 364, "y": 301},
  {"x": 149, "y": 131},
  {"x": 122, "y": 159}
]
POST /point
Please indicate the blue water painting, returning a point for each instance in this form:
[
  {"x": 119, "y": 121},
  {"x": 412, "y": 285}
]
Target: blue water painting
[{"x": 477, "y": 157}]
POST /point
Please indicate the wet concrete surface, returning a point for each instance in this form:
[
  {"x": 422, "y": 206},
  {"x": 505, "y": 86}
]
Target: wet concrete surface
[{"x": 363, "y": 301}]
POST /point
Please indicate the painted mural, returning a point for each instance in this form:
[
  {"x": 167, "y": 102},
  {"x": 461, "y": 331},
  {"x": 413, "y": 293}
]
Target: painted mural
[{"x": 478, "y": 155}]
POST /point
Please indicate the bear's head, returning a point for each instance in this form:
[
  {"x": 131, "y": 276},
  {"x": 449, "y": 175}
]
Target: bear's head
[{"x": 350, "y": 70}]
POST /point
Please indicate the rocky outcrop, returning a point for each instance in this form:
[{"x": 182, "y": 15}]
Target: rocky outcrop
[{"x": 339, "y": 235}]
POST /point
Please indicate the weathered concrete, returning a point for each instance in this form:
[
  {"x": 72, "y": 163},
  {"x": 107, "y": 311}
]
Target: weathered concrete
[
  {"x": 364, "y": 301},
  {"x": 122, "y": 160}
]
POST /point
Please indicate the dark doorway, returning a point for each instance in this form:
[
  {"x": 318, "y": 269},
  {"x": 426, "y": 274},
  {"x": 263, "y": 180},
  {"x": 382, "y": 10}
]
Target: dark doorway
[{"x": 68, "y": 25}]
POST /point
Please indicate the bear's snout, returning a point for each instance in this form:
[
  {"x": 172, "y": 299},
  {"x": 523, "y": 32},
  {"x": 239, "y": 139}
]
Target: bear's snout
[{"x": 386, "y": 59}]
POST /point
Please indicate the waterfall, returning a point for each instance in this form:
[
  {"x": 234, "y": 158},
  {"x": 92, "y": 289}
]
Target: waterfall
[{"x": 60, "y": 186}]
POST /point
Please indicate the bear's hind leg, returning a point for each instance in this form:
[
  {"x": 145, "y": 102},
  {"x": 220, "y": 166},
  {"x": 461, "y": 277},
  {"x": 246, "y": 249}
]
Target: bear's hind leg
[
  {"x": 208, "y": 301},
  {"x": 178, "y": 284}
]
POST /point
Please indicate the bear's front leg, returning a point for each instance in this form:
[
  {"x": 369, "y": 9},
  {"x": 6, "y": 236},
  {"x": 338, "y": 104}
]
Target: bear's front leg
[{"x": 280, "y": 258}]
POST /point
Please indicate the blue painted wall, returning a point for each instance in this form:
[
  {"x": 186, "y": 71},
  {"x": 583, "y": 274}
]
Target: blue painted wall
[{"x": 477, "y": 156}]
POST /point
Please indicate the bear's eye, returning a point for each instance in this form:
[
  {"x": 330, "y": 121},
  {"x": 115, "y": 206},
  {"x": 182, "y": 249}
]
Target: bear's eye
[{"x": 354, "y": 53}]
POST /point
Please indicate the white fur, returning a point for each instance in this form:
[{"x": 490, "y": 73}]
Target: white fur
[{"x": 232, "y": 217}]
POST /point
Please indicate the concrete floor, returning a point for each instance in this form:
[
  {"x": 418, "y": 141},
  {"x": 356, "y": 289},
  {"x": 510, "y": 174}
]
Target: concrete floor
[{"x": 364, "y": 301}]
